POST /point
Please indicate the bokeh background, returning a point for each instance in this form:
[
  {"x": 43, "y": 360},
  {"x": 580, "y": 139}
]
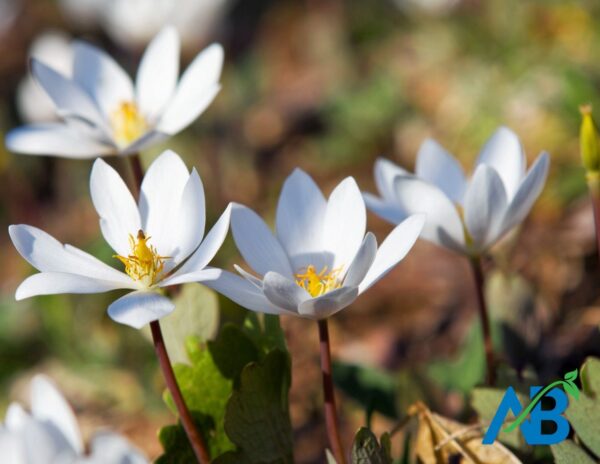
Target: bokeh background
[{"x": 327, "y": 85}]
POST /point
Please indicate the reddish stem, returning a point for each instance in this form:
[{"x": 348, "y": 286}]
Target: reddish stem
[
  {"x": 330, "y": 411},
  {"x": 488, "y": 347},
  {"x": 194, "y": 436},
  {"x": 186, "y": 418}
]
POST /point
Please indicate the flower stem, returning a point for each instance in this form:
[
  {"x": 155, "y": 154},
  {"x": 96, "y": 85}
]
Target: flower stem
[
  {"x": 194, "y": 436},
  {"x": 594, "y": 186},
  {"x": 330, "y": 411},
  {"x": 137, "y": 170},
  {"x": 187, "y": 421},
  {"x": 490, "y": 377}
]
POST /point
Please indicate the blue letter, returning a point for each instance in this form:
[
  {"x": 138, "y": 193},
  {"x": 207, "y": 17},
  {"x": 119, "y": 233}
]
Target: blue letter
[
  {"x": 532, "y": 429},
  {"x": 510, "y": 402}
]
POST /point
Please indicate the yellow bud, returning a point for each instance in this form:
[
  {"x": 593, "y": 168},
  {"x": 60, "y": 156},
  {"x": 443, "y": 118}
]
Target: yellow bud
[{"x": 588, "y": 139}]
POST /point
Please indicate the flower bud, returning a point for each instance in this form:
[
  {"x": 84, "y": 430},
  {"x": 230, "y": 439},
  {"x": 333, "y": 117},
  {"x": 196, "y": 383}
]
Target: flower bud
[{"x": 588, "y": 139}]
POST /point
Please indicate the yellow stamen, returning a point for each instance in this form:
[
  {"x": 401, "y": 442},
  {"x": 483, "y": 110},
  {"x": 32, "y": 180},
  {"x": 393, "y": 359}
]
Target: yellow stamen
[
  {"x": 127, "y": 123},
  {"x": 318, "y": 284},
  {"x": 144, "y": 263}
]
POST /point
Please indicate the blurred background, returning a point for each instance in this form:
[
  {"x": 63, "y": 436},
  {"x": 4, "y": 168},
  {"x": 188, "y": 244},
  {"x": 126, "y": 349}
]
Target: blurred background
[{"x": 327, "y": 85}]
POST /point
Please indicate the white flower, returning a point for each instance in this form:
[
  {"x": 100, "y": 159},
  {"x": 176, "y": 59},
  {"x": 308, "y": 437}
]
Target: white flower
[
  {"x": 50, "y": 434},
  {"x": 104, "y": 114},
  {"x": 158, "y": 240},
  {"x": 467, "y": 216},
  {"x": 319, "y": 260},
  {"x": 133, "y": 23},
  {"x": 53, "y": 48}
]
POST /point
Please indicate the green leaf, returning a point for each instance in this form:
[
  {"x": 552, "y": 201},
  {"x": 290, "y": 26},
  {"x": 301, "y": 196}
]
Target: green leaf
[
  {"x": 274, "y": 335},
  {"x": 366, "y": 449},
  {"x": 196, "y": 313},
  {"x": 583, "y": 413},
  {"x": 568, "y": 452},
  {"x": 571, "y": 376},
  {"x": 571, "y": 389},
  {"x": 206, "y": 392},
  {"x": 265, "y": 331},
  {"x": 257, "y": 418},
  {"x": 175, "y": 443},
  {"x": 232, "y": 350},
  {"x": 374, "y": 389},
  {"x": 467, "y": 369},
  {"x": 232, "y": 457}
]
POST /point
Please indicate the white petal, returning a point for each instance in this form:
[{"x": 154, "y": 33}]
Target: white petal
[
  {"x": 299, "y": 221},
  {"x": 48, "y": 404},
  {"x": 385, "y": 171},
  {"x": 101, "y": 77},
  {"x": 119, "y": 215},
  {"x": 503, "y": 152},
  {"x": 68, "y": 97},
  {"x": 158, "y": 72},
  {"x": 15, "y": 417},
  {"x": 240, "y": 291},
  {"x": 384, "y": 209},
  {"x": 110, "y": 448},
  {"x": 345, "y": 223},
  {"x": 11, "y": 448},
  {"x": 47, "y": 254},
  {"x": 160, "y": 198},
  {"x": 362, "y": 261},
  {"x": 328, "y": 304},
  {"x": 205, "y": 252},
  {"x": 437, "y": 166},
  {"x": 137, "y": 309},
  {"x": 54, "y": 139},
  {"x": 54, "y": 283},
  {"x": 43, "y": 442},
  {"x": 485, "y": 205},
  {"x": 197, "y": 88},
  {"x": 189, "y": 220},
  {"x": 443, "y": 225},
  {"x": 393, "y": 249},
  {"x": 528, "y": 191},
  {"x": 283, "y": 292},
  {"x": 256, "y": 243}
]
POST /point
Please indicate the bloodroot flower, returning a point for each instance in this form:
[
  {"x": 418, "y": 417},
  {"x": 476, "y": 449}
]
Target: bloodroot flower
[
  {"x": 103, "y": 113},
  {"x": 50, "y": 434},
  {"x": 158, "y": 240},
  {"x": 319, "y": 260},
  {"x": 465, "y": 215}
]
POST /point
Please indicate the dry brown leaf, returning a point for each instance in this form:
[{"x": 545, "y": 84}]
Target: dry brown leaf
[{"x": 441, "y": 440}]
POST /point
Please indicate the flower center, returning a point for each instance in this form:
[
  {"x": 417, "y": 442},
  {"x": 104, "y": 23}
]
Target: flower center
[
  {"x": 144, "y": 263},
  {"x": 127, "y": 123},
  {"x": 318, "y": 284}
]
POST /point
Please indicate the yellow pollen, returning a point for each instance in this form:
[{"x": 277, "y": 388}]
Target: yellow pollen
[
  {"x": 318, "y": 284},
  {"x": 144, "y": 263},
  {"x": 127, "y": 123}
]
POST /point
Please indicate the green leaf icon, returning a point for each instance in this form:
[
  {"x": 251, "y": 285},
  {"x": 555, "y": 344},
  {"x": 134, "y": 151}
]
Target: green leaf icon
[
  {"x": 571, "y": 389},
  {"x": 571, "y": 376}
]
